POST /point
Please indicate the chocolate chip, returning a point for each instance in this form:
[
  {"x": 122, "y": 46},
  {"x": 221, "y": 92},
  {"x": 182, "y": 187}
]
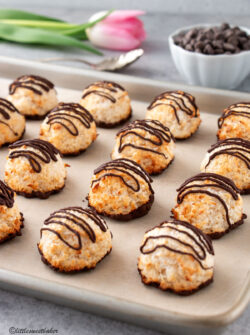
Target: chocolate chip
[
  {"x": 229, "y": 47},
  {"x": 233, "y": 40},
  {"x": 206, "y": 41},
  {"x": 246, "y": 46},
  {"x": 185, "y": 41},
  {"x": 241, "y": 33},
  {"x": 201, "y": 37},
  {"x": 219, "y": 36},
  {"x": 208, "y": 49},
  {"x": 224, "y": 26},
  {"x": 199, "y": 45},
  {"x": 219, "y": 51},
  {"x": 209, "y": 35},
  {"x": 236, "y": 29},
  {"x": 192, "y": 33},
  {"x": 217, "y": 44},
  {"x": 242, "y": 40},
  {"x": 228, "y": 33},
  {"x": 177, "y": 39},
  {"x": 192, "y": 42}
]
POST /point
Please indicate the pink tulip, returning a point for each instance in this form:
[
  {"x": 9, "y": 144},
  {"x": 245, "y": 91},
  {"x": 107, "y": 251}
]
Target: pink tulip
[{"x": 121, "y": 30}]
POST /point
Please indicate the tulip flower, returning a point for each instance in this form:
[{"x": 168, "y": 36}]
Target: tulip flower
[{"x": 121, "y": 30}]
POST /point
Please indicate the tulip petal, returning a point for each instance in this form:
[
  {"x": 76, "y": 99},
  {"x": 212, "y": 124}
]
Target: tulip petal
[
  {"x": 111, "y": 38},
  {"x": 132, "y": 26},
  {"x": 117, "y": 15},
  {"x": 124, "y": 14}
]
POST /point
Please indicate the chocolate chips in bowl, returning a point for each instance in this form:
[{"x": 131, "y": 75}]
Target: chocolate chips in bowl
[
  {"x": 215, "y": 56},
  {"x": 216, "y": 40}
]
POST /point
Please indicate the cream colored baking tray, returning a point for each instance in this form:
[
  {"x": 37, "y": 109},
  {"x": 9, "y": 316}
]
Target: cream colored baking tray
[{"x": 114, "y": 288}]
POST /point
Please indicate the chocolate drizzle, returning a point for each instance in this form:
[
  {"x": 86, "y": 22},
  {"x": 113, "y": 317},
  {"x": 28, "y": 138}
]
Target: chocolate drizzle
[
  {"x": 236, "y": 147},
  {"x": 122, "y": 166},
  {"x": 6, "y": 107},
  {"x": 192, "y": 186},
  {"x": 176, "y": 101},
  {"x": 6, "y": 195},
  {"x": 65, "y": 114},
  {"x": 236, "y": 110},
  {"x": 103, "y": 90},
  {"x": 31, "y": 82},
  {"x": 203, "y": 244},
  {"x": 47, "y": 150},
  {"x": 153, "y": 128},
  {"x": 75, "y": 218}
]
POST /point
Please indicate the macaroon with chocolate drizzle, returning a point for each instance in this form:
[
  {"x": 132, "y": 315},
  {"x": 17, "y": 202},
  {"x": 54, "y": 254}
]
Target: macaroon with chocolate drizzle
[
  {"x": 230, "y": 158},
  {"x": 11, "y": 219},
  {"x": 121, "y": 189},
  {"x": 33, "y": 96},
  {"x": 34, "y": 168},
  {"x": 108, "y": 102},
  {"x": 12, "y": 123},
  {"x": 74, "y": 239},
  {"x": 235, "y": 122},
  {"x": 176, "y": 256},
  {"x": 70, "y": 128},
  {"x": 147, "y": 142},
  {"x": 211, "y": 203},
  {"x": 176, "y": 110}
]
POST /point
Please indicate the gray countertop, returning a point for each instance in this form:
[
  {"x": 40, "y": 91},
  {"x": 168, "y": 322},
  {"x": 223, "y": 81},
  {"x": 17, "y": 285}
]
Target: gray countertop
[{"x": 162, "y": 18}]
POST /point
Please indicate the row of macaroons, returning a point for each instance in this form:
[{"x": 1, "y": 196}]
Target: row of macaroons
[
  {"x": 146, "y": 142},
  {"x": 121, "y": 188},
  {"x": 71, "y": 128},
  {"x": 175, "y": 255},
  {"x": 109, "y": 105}
]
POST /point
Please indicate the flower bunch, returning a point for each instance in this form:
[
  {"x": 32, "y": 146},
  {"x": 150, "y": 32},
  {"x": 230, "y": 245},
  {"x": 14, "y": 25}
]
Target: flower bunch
[{"x": 119, "y": 30}]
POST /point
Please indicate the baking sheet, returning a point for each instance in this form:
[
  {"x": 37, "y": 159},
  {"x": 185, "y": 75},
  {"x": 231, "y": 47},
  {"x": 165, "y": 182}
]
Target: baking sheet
[{"x": 116, "y": 277}]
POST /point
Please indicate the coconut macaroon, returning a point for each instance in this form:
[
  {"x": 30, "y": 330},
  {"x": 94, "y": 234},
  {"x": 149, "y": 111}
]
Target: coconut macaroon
[
  {"x": 211, "y": 203},
  {"x": 121, "y": 189},
  {"x": 34, "y": 168},
  {"x": 235, "y": 122},
  {"x": 176, "y": 256},
  {"x": 33, "y": 96},
  {"x": 108, "y": 103},
  {"x": 12, "y": 123},
  {"x": 177, "y": 110},
  {"x": 11, "y": 220},
  {"x": 70, "y": 128},
  {"x": 230, "y": 158},
  {"x": 147, "y": 142},
  {"x": 74, "y": 239}
]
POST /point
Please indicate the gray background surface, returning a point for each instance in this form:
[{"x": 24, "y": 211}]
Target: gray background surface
[{"x": 163, "y": 17}]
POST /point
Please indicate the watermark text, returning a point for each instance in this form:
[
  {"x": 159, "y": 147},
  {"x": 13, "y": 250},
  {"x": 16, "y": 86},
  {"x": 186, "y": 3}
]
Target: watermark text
[{"x": 15, "y": 330}]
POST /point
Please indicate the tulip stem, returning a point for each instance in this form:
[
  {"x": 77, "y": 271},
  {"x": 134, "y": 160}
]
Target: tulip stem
[{"x": 40, "y": 24}]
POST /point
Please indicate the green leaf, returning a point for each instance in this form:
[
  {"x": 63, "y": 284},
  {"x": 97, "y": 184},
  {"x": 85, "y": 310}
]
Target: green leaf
[
  {"x": 18, "y": 34},
  {"x": 81, "y": 35},
  {"x": 22, "y": 15}
]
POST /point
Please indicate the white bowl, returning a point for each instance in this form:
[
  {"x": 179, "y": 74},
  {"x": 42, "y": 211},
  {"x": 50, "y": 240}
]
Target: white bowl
[{"x": 219, "y": 71}]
